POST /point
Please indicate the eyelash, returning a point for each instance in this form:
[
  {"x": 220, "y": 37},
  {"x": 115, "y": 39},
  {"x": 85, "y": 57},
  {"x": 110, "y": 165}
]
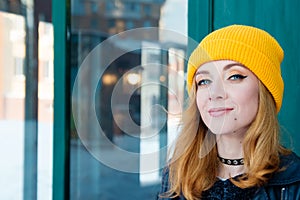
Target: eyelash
[
  {"x": 237, "y": 76},
  {"x": 233, "y": 77},
  {"x": 201, "y": 82}
]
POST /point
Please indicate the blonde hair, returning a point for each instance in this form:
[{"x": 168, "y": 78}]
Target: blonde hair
[{"x": 193, "y": 168}]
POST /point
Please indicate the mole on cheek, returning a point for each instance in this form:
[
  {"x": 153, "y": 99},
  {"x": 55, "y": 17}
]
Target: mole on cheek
[{"x": 235, "y": 119}]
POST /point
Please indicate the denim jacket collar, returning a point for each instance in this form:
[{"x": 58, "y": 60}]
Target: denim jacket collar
[{"x": 290, "y": 173}]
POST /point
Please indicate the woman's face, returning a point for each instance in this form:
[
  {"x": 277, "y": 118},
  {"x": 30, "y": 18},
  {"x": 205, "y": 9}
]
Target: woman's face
[{"x": 227, "y": 96}]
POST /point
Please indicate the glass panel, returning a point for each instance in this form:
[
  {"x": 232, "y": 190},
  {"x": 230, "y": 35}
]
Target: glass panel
[
  {"x": 128, "y": 92},
  {"x": 12, "y": 108},
  {"x": 12, "y": 100},
  {"x": 45, "y": 111}
]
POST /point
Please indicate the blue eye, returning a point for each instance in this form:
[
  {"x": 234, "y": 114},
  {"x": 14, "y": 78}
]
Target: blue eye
[
  {"x": 237, "y": 77},
  {"x": 204, "y": 82}
]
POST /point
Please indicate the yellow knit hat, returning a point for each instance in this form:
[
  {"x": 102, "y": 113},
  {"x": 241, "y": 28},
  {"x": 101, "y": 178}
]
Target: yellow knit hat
[{"x": 250, "y": 46}]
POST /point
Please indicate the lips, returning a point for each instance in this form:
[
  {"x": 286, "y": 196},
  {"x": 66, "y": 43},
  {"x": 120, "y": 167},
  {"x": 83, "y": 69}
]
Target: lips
[{"x": 218, "y": 112}]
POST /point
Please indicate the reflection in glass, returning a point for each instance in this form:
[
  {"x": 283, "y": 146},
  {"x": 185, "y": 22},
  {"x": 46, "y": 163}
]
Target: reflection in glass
[
  {"x": 45, "y": 110},
  {"x": 137, "y": 97},
  {"x": 12, "y": 107},
  {"x": 12, "y": 94}
]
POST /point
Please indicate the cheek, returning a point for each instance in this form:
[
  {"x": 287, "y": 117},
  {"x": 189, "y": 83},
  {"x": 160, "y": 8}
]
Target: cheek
[
  {"x": 201, "y": 101},
  {"x": 248, "y": 103}
]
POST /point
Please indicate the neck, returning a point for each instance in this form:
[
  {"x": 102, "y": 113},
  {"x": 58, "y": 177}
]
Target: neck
[
  {"x": 229, "y": 171},
  {"x": 230, "y": 147}
]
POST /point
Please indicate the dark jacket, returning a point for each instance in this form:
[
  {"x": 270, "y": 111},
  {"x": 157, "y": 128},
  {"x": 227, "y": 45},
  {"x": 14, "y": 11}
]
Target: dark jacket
[{"x": 284, "y": 185}]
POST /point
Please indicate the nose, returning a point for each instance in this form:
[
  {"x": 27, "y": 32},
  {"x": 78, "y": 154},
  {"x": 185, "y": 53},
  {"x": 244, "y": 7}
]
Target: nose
[{"x": 217, "y": 91}]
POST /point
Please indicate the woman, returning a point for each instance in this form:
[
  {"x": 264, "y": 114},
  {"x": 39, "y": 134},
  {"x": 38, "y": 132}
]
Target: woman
[{"x": 229, "y": 145}]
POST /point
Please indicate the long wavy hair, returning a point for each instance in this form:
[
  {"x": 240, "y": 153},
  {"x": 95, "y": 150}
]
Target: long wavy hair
[{"x": 194, "y": 164}]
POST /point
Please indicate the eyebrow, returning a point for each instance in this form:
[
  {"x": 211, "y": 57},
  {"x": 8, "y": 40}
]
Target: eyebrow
[
  {"x": 231, "y": 65},
  {"x": 227, "y": 67}
]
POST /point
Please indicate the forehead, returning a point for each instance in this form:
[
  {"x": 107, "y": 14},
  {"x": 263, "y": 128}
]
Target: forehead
[{"x": 219, "y": 65}]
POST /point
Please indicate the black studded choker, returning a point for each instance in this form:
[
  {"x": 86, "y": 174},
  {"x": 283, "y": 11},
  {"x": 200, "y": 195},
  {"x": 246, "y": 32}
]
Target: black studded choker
[{"x": 231, "y": 161}]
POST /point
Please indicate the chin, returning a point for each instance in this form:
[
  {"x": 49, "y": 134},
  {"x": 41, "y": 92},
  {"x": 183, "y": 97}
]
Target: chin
[
  {"x": 228, "y": 130},
  {"x": 220, "y": 128},
  {"x": 221, "y": 132}
]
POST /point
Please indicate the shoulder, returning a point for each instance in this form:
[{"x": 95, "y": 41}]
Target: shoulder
[
  {"x": 289, "y": 174},
  {"x": 285, "y": 184}
]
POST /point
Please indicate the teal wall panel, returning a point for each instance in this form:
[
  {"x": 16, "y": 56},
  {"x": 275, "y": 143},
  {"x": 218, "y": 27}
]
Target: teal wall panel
[
  {"x": 61, "y": 129},
  {"x": 199, "y": 21},
  {"x": 280, "y": 19}
]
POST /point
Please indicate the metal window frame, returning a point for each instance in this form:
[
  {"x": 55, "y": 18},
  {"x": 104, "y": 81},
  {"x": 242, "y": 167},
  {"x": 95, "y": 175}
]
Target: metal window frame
[{"x": 60, "y": 19}]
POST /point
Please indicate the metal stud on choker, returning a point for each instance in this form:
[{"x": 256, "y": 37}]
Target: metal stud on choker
[{"x": 225, "y": 161}]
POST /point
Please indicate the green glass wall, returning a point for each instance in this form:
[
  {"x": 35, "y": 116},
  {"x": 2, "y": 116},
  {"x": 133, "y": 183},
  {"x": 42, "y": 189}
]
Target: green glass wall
[
  {"x": 102, "y": 138},
  {"x": 26, "y": 99}
]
